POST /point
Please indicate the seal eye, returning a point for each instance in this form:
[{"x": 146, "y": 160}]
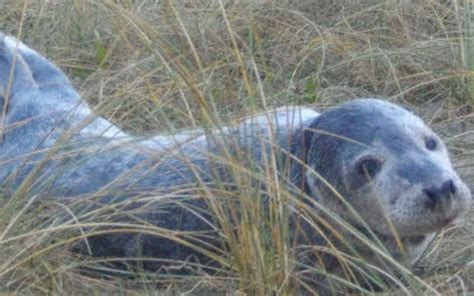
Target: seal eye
[
  {"x": 369, "y": 167},
  {"x": 431, "y": 144}
]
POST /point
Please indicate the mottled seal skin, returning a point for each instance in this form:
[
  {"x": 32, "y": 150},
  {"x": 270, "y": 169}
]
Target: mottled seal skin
[
  {"x": 389, "y": 167},
  {"x": 410, "y": 186},
  {"x": 55, "y": 145}
]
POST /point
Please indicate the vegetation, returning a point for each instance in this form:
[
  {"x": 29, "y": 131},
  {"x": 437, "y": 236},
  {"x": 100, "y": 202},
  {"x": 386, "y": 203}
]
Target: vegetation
[{"x": 163, "y": 66}]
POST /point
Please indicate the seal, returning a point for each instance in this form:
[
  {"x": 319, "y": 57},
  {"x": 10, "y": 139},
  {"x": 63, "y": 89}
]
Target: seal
[
  {"x": 377, "y": 164},
  {"x": 387, "y": 159},
  {"x": 369, "y": 163}
]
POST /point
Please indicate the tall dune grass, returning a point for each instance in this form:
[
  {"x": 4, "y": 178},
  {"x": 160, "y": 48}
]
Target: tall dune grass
[{"x": 167, "y": 66}]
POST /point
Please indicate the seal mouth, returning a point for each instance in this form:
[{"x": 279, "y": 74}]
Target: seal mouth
[{"x": 449, "y": 221}]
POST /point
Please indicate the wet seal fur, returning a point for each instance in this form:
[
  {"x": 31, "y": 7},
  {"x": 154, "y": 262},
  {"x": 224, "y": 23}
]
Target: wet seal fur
[{"x": 387, "y": 164}]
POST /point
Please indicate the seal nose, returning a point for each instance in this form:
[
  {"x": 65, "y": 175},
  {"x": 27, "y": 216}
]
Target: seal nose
[{"x": 439, "y": 196}]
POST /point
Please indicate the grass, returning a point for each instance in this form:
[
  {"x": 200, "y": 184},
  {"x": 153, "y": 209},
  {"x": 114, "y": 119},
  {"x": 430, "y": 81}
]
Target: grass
[{"x": 162, "y": 66}]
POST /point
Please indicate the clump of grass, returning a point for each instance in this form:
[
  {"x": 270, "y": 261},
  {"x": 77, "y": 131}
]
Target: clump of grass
[
  {"x": 164, "y": 66},
  {"x": 464, "y": 14}
]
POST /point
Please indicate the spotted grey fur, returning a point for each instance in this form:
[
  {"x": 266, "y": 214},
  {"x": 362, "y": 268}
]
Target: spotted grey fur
[{"x": 48, "y": 126}]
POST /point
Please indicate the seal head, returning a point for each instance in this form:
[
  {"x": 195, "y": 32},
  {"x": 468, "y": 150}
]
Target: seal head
[{"x": 392, "y": 169}]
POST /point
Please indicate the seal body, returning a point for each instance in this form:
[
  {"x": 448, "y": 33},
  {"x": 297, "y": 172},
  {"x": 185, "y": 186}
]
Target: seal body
[{"x": 369, "y": 162}]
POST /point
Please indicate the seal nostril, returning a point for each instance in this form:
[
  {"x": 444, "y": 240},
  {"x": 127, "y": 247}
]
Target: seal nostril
[
  {"x": 453, "y": 188},
  {"x": 448, "y": 188},
  {"x": 441, "y": 194},
  {"x": 433, "y": 197}
]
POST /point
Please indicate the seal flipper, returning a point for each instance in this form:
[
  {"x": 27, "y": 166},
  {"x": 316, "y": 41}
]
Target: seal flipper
[
  {"x": 21, "y": 79},
  {"x": 50, "y": 80}
]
